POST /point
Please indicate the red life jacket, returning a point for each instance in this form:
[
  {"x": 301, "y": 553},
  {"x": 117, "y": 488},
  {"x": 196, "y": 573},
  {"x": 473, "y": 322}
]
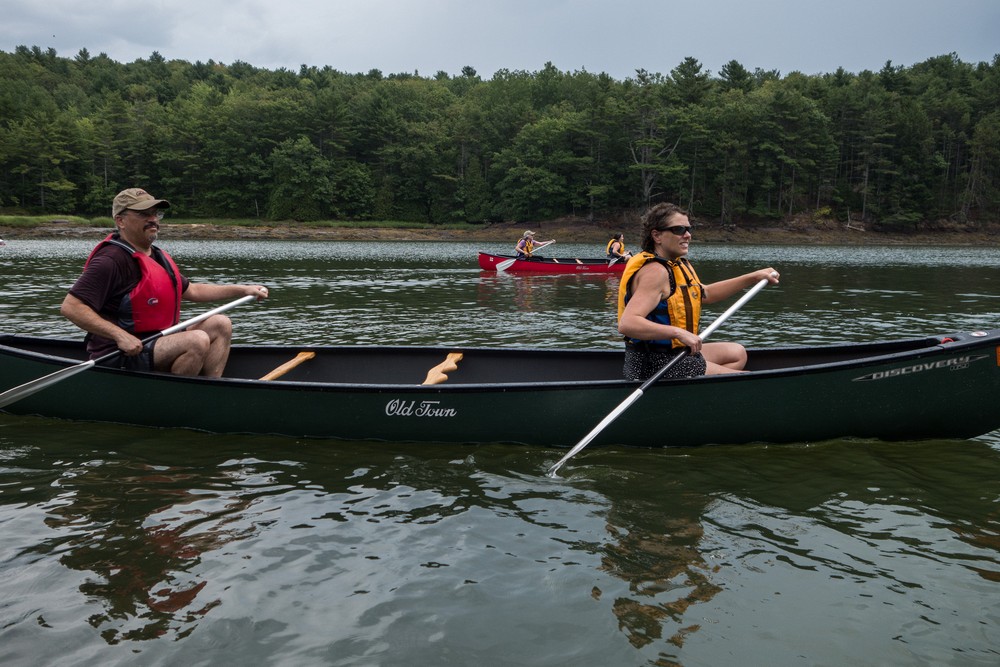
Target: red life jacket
[{"x": 154, "y": 304}]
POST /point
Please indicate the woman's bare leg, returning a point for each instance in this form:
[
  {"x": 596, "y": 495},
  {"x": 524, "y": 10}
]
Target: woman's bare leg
[{"x": 724, "y": 358}]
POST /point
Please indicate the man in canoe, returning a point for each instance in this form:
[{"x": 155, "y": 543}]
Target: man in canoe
[
  {"x": 527, "y": 245},
  {"x": 131, "y": 289},
  {"x": 659, "y": 303}
]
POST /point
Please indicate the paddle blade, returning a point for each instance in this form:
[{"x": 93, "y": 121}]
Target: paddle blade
[
  {"x": 29, "y": 388},
  {"x": 632, "y": 398},
  {"x": 506, "y": 264}
]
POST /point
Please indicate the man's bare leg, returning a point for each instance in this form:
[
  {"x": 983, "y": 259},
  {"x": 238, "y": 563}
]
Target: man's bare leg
[
  {"x": 202, "y": 349},
  {"x": 181, "y": 353},
  {"x": 220, "y": 333}
]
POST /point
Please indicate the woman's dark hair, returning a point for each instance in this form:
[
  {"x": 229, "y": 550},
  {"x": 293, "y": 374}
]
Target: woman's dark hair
[{"x": 657, "y": 218}]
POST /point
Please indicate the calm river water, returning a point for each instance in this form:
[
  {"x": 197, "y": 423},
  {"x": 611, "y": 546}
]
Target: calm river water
[{"x": 126, "y": 546}]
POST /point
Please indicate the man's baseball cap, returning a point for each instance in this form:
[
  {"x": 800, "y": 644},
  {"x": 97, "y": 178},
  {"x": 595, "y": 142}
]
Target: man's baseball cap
[{"x": 136, "y": 199}]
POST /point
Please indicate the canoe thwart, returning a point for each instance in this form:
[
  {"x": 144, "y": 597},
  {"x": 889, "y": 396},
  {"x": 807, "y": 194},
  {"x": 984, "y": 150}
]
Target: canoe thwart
[
  {"x": 289, "y": 365},
  {"x": 437, "y": 375}
]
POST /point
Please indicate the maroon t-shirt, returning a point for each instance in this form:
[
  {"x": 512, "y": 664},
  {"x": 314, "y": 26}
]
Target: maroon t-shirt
[{"x": 111, "y": 274}]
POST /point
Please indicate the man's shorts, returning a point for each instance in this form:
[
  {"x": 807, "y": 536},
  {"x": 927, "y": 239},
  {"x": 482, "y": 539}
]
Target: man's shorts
[{"x": 140, "y": 362}]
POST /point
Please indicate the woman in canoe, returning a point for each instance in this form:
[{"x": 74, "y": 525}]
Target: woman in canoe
[
  {"x": 616, "y": 249},
  {"x": 527, "y": 245},
  {"x": 659, "y": 303}
]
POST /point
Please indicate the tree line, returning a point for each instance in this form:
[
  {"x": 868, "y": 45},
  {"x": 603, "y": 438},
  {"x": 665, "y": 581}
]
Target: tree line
[{"x": 892, "y": 147}]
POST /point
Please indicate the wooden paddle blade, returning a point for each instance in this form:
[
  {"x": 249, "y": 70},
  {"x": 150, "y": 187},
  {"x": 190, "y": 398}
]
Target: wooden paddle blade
[
  {"x": 506, "y": 264},
  {"x": 437, "y": 374},
  {"x": 289, "y": 365}
]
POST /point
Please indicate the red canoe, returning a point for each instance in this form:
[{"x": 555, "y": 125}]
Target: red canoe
[{"x": 490, "y": 262}]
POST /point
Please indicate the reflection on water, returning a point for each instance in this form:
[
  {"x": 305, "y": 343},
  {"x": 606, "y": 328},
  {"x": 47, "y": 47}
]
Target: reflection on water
[
  {"x": 170, "y": 544},
  {"x": 662, "y": 564},
  {"x": 140, "y": 532},
  {"x": 163, "y": 547}
]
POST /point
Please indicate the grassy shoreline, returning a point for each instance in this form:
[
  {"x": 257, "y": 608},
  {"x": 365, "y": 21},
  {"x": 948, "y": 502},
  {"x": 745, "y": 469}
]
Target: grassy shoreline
[{"x": 796, "y": 232}]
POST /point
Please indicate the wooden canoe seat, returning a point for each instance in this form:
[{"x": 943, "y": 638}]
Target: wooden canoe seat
[
  {"x": 437, "y": 374},
  {"x": 289, "y": 365}
]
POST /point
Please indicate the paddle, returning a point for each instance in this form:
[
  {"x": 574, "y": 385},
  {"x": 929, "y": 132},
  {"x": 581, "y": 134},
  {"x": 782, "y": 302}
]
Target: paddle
[
  {"x": 437, "y": 375},
  {"x": 29, "y": 388},
  {"x": 289, "y": 365},
  {"x": 507, "y": 263},
  {"x": 637, "y": 394}
]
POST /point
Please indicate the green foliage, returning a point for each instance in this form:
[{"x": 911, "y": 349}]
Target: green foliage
[
  {"x": 37, "y": 220},
  {"x": 236, "y": 141},
  {"x": 302, "y": 184},
  {"x": 902, "y": 221}
]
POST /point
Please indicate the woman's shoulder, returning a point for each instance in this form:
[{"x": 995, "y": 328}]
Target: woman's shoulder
[{"x": 648, "y": 267}]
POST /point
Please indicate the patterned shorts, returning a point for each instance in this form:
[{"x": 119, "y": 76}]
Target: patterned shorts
[{"x": 642, "y": 364}]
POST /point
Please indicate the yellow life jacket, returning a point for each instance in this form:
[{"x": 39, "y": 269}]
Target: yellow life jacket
[{"x": 681, "y": 308}]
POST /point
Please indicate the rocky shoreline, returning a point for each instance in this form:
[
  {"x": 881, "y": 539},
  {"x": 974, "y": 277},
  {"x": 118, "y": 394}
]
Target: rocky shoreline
[{"x": 565, "y": 231}]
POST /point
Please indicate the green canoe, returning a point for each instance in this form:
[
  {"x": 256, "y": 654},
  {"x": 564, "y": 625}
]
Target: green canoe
[{"x": 936, "y": 387}]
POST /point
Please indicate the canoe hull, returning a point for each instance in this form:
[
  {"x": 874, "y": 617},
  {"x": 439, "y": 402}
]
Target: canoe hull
[
  {"x": 931, "y": 391},
  {"x": 488, "y": 262}
]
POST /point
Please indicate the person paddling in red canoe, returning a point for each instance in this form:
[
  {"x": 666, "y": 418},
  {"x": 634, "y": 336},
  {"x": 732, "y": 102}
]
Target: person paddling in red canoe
[{"x": 528, "y": 245}]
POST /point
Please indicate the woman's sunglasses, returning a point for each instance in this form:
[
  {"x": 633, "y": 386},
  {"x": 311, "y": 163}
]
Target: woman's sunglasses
[{"x": 678, "y": 230}]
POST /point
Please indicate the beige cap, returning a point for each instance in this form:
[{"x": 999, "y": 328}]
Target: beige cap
[
  {"x": 527, "y": 234},
  {"x": 136, "y": 199}
]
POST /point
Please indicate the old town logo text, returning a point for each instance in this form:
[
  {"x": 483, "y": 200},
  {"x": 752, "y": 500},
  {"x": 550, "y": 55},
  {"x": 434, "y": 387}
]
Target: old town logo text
[
  {"x": 954, "y": 364},
  {"x": 401, "y": 408}
]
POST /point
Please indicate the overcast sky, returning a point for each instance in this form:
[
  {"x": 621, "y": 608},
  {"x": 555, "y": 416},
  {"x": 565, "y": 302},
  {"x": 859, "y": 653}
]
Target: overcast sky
[{"x": 427, "y": 36}]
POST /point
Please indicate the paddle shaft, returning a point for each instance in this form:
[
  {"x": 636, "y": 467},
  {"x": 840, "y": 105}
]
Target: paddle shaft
[
  {"x": 637, "y": 394},
  {"x": 29, "y": 388}
]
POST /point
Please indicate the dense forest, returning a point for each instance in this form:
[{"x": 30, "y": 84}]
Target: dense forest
[{"x": 892, "y": 148}]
